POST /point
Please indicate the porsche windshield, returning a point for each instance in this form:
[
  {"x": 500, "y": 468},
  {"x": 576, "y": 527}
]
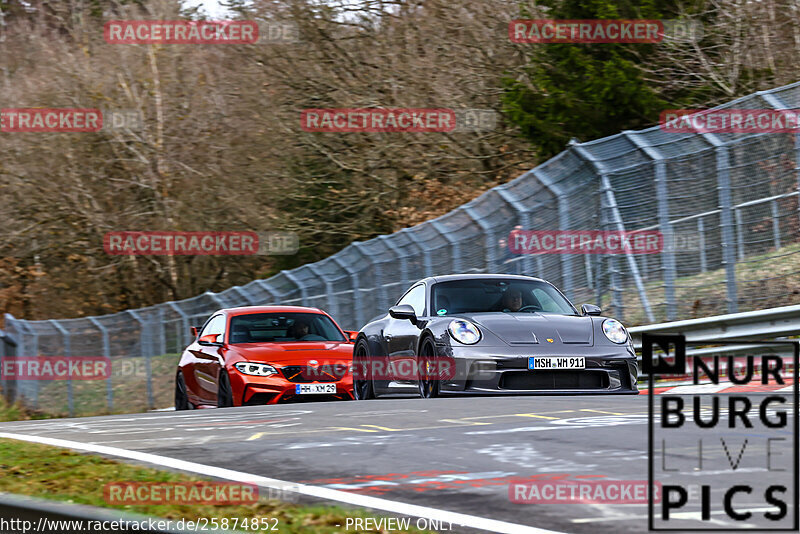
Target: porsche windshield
[
  {"x": 282, "y": 328},
  {"x": 498, "y": 295}
]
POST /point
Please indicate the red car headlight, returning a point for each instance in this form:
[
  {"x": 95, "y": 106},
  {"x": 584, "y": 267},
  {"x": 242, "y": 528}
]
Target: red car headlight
[{"x": 256, "y": 369}]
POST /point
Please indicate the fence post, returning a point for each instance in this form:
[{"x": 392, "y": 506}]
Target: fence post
[
  {"x": 563, "y": 224},
  {"x": 383, "y": 297},
  {"x": 662, "y": 192},
  {"x": 488, "y": 236},
  {"x": 523, "y": 212},
  {"x": 426, "y": 253},
  {"x": 185, "y": 325},
  {"x": 162, "y": 332},
  {"x": 67, "y": 352},
  {"x": 245, "y": 296},
  {"x": 107, "y": 355},
  {"x": 616, "y": 218},
  {"x": 702, "y": 242},
  {"x": 403, "y": 260},
  {"x": 23, "y": 390},
  {"x": 333, "y": 309},
  {"x": 777, "y": 102},
  {"x": 455, "y": 246},
  {"x": 34, "y": 352},
  {"x": 726, "y": 219},
  {"x": 263, "y": 284},
  {"x": 776, "y": 225},
  {"x": 146, "y": 355},
  {"x": 303, "y": 291},
  {"x": 6, "y": 350},
  {"x": 357, "y": 317}
]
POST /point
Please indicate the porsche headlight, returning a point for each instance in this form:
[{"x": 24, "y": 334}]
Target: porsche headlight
[
  {"x": 257, "y": 369},
  {"x": 614, "y": 331},
  {"x": 464, "y": 331}
]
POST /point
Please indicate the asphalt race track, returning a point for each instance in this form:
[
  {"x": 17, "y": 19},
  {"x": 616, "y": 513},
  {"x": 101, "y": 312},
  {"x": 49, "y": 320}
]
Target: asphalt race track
[{"x": 454, "y": 454}]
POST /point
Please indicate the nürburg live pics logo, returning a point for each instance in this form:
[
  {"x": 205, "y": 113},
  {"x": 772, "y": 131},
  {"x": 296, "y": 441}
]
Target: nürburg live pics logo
[{"x": 722, "y": 451}]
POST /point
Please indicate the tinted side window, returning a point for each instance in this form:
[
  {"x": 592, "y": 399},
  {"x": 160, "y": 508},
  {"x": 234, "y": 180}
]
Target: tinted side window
[
  {"x": 215, "y": 326},
  {"x": 416, "y": 298}
]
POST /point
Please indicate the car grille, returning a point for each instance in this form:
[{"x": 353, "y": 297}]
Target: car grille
[
  {"x": 302, "y": 374},
  {"x": 554, "y": 380}
]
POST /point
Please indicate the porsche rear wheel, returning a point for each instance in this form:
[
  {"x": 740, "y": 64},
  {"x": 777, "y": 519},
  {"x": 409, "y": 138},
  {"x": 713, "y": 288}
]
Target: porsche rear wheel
[
  {"x": 224, "y": 394},
  {"x": 363, "y": 388},
  {"x": 181, "y": 398},
  {"x": 429, "y": 380}
]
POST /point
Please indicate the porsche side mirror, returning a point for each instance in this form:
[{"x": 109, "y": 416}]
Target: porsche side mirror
[
  {"x": 404, "y": 311},
  {"x": 590, "y": 309},
  {"x": 194, "y": 332},
  {"x": 209, "y": 340},
  {"x": 351, "y": 336}
]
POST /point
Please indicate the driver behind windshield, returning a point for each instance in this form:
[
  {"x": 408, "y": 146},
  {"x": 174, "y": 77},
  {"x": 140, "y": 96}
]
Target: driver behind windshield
[
  {"x": 300, "y": 330},
  {"x": 512, "y": 300}
]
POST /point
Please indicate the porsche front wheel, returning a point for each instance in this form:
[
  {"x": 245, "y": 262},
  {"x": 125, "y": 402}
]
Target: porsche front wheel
[
  {"x": 363, "y": 389},
  {"x": 429, "y": 376}
]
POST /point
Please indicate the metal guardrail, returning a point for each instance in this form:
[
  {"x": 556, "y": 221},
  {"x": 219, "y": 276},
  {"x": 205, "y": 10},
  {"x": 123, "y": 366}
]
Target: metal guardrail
[
  {"x": 42, "y": 515},
  {"x": 770, "y": 324}
]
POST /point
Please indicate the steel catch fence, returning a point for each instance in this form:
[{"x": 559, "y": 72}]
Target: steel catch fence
[{"x": 734, "y": 196}]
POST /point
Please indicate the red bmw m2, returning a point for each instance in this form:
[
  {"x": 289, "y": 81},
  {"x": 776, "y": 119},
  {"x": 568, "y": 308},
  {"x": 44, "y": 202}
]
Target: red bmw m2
[{"x": 265, "y": 355}]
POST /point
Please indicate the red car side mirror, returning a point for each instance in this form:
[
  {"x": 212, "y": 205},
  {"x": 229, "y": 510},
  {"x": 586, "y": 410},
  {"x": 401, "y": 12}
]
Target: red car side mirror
[
  {"x": 194, "y": 332},
  {"x": 209, "y": 340},
  {"x": 351, "y": 335}
]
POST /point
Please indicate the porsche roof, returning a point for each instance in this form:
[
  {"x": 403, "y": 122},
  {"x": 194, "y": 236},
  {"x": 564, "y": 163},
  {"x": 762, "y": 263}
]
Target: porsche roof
[{"x": 450, "y": 277}]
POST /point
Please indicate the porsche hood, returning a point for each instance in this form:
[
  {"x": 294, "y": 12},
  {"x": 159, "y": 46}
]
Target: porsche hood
[{"x": 535, "y": 328}]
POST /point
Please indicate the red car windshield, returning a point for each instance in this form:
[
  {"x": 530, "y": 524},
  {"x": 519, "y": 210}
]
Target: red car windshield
[{"x": 282, "y": 328}]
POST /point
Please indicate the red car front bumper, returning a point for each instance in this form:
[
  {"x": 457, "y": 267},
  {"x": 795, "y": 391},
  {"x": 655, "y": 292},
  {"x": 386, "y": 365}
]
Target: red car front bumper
[{"x": 251, "y": 390}]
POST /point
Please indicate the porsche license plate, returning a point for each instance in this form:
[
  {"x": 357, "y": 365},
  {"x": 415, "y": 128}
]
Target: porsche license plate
[
  {"x": 536, "y": 363},
  {"x": 306, "y": 389}
]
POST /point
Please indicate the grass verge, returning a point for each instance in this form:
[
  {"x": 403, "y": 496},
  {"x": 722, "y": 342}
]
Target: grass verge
[{"x": 63, "y": 475}]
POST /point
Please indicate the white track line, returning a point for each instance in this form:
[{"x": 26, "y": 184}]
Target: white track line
[{"x": 365, "y": 501}]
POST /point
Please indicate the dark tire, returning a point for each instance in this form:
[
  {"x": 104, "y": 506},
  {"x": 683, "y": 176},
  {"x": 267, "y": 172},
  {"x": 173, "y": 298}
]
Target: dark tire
[
  {"x": 429, "y": 381},
  {"x": 363, "y": 389},
  {"x": 181, "y": 398},
  {"x": 224, "y": 394}
]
